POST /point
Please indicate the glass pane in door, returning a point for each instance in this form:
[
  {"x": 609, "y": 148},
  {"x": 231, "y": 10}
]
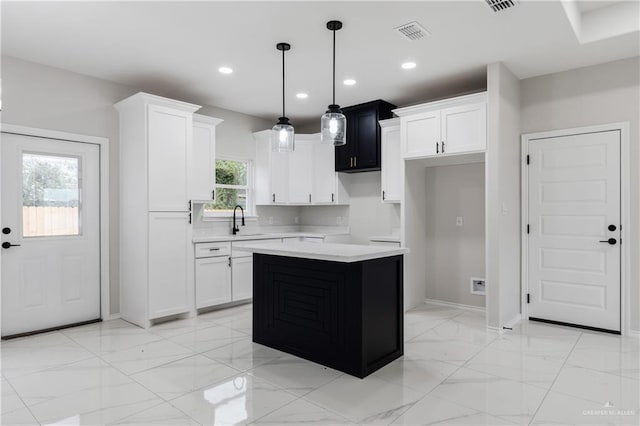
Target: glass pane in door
[{"x": 51, "y": 187}]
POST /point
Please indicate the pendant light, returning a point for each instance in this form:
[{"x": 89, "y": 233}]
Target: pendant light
[
  {"x": 282, "y": 135},
  {"x": 333, "y": 126}
]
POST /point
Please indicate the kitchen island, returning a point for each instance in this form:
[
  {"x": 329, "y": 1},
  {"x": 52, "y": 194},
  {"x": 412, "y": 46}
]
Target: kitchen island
[{"x": 339, "y": 305}]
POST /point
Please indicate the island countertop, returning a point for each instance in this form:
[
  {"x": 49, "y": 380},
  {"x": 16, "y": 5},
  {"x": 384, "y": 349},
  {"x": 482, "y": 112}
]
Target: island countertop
[{"x": 346, "y": 253}]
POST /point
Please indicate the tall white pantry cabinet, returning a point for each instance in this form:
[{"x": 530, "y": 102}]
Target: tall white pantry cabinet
[{"x": 156, "y": 253}]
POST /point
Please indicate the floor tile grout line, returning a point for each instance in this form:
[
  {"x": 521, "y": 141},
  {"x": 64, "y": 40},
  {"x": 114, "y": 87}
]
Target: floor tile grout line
[
  {"x": 21, "y": 400},
  {"x": 544, "y": 398}
]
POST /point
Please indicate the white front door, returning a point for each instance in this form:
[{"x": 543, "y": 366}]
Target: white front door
[
  {"x": 574, "y": 219},
  {"x": 50, "y": 233}
]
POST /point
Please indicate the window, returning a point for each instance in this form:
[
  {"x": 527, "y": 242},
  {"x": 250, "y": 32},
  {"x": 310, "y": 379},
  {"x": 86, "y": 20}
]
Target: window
[
  {"x": 51, "y": 187},
  {"x": 232, "y": 188}
]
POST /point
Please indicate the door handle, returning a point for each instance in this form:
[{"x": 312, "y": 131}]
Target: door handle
[
  {"x": 382, "y": 195},
  {"x": 437, "y": 148},
  {"x": 7, "y": 245},
  {"x": 610, "y": 241},
  {"x": 443, "y": 147}
]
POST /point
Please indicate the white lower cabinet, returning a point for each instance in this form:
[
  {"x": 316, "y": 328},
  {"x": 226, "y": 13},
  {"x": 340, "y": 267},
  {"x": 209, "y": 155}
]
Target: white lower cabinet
[
  {"x": 223, "y": 273},
  {"x": 242, "y": 278},
  {"x": 169, "y": 251},
  {"x": 213, "y": 281}
]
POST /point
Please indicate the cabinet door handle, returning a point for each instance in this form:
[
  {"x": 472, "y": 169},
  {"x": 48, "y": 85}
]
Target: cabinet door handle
[
  {"x": 355, "y": 161},
  {"x": 213, "y": 194},
  {"x": 332, "y": 197},
  {"x": 229, "y": 262},
  {"x": 382, "y": 195},
  {"x": 309, "y": 198},
  {"x": 273, "y": 197},
  {"x": 437, "y": 148},
  {"x": 189, "y": 217},
  {"x": 443, "y": 147},
  {"x": 214, "y": 249},
  {"x": 350, "y": 161}
]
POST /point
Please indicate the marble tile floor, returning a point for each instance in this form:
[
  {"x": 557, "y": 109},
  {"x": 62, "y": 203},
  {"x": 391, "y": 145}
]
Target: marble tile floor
[{"x": 207, "y": 371}]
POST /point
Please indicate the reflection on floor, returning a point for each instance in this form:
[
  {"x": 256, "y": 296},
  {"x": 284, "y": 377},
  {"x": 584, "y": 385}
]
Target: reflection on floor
[{"x": 206, "y": 370}]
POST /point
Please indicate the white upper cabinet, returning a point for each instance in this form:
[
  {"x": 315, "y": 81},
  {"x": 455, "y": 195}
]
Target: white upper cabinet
[
  {"x": 279, "y": 177},
  {"x": 450, "y": 126},
  {"x": 302, "y": 177},
  {"x": 324, "y": 178},
  {"x": 203, "y": 158},
  {"x": 300, "y": 174},
  {"x": 422, "y": 134},
  {"x": 464, "y": 128},
  {"x": 169, "y": 132},
  {"x": 391, "y": 161}
]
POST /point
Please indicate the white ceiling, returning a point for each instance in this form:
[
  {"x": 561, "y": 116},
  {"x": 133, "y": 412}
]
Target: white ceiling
[{"x": 175, "y": 48}]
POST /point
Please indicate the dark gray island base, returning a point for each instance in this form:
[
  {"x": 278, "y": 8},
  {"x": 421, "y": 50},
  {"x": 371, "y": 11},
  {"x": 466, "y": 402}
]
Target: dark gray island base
[{"x": 347, "y": 315}]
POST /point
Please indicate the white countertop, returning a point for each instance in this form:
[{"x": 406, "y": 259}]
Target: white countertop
[
  {"x": 245, "y": 237},
  {"x": 328, "y": 251},
  {"x": 386, "y": 238}
]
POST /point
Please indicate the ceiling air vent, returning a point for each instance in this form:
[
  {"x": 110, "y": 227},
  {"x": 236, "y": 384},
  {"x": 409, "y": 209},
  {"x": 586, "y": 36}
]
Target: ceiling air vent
[
  {"x": 501, "y": 5},
  {"x": 412, "y": 31}
]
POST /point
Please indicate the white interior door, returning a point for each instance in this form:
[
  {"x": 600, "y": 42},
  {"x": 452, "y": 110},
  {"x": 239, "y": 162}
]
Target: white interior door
[
  {"x": 51, "y": 218},
  {"x": 574, "y": 215}
]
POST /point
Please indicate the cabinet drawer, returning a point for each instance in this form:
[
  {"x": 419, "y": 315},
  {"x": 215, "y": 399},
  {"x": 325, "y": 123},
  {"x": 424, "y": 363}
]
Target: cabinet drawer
[
  {"x": 212, "y": 249},
  {"x": 243, "y": 253}
]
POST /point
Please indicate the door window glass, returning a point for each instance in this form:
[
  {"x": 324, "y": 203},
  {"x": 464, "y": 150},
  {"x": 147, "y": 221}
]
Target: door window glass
[{"x": 51, "y": 187}]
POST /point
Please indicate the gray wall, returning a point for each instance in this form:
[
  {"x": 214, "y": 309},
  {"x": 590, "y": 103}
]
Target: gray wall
[
  {"x": 599, "y": 94},
  {"x": 39, "y": 96},
  {"x": 455, "y": 254},
  {"x": 503, "y": 196}
]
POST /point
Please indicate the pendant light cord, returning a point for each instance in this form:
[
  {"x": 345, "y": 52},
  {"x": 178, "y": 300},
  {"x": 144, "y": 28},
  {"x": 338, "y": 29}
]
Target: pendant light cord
[
  {"x": 334, "y": 67},
  {"x": 283, "y": 83}
]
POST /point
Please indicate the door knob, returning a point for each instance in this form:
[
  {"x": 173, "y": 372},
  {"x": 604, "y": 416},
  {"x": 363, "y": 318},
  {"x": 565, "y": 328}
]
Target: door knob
[
  {"x": 612, "y": 228},
  {"x": 6, "y": 230},
  {"x": 611, "y": 241},
  {"x": 7, "y": 245}
]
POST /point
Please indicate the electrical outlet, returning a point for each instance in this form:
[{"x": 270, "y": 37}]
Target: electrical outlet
[
  {"x": 459, "y": 221},
  {"x": 270, "y": 220},
  {"x": 339, "y": 220},
  {"x": 295, "y": 220}
]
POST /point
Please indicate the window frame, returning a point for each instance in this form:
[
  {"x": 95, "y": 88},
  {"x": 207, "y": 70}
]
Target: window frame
[{"x": 250, "y": 209}]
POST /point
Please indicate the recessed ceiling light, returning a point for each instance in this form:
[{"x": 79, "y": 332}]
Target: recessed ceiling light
[
  {"x": 302, "y": 95},
  {"x": 409, "y": 65},
  {"x": 349, "y": 82},
  {"x": 225, "y": 70}
]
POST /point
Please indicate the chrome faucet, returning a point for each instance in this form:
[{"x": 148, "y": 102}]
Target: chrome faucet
[{"x": 235, "y": 228}]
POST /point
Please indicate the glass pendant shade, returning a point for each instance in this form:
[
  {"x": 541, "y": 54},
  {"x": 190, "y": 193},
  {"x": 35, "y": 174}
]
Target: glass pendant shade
[
  {"x": 333, "y": 127},
  {"x": 333, "y": 124},
  {"x": 282, "y": 136}
]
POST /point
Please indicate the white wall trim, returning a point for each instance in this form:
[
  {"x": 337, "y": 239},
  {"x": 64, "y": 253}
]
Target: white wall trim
[
  {"x": 513, "y": 321},
  {"x": 456, "y": 305},
  {"x": 103, "y": 145},
  {"x": 633, "y": 333},
  {"x": 625, "y": 214}
]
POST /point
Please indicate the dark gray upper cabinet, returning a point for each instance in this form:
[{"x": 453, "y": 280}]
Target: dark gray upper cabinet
[{"x": 362, "y": 151}]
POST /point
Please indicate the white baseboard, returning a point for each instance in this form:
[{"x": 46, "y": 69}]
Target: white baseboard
[
  {"x": 513, "y": 321},
  {"x": 633, "y": 333},
  {"x": 456, "y": 305},
  {"x": 112, "y": 317}
]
